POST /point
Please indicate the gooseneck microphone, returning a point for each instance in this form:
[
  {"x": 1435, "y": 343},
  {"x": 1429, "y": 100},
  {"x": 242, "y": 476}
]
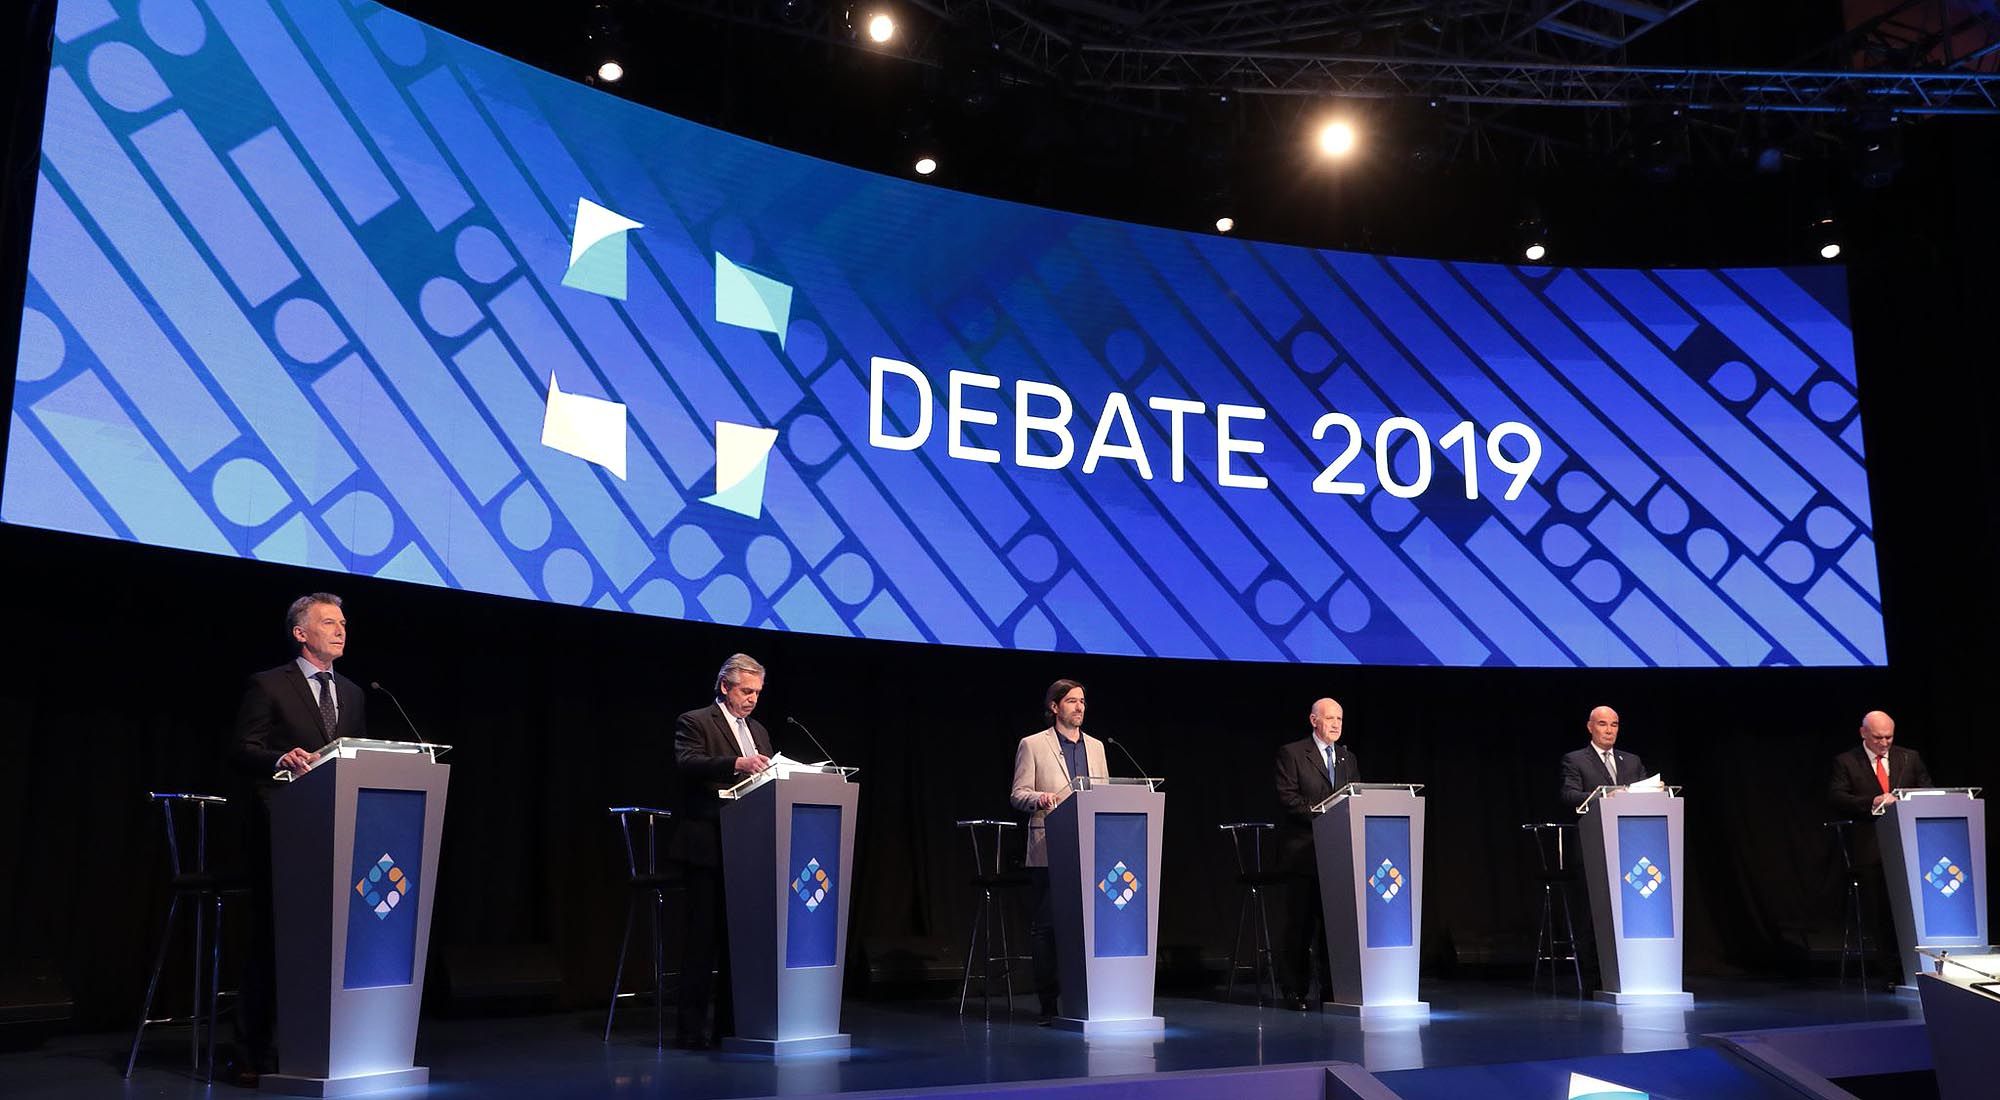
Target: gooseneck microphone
[
  {"x": 1133, "y": 759},
  {"x": 810, "y": 737},
  {"x": 376, "y": 685}
]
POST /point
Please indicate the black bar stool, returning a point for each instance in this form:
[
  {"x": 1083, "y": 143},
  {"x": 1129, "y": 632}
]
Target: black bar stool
[
  {"x": 993, "y": 883},
  {"x": 1853, "y": 922},
  {"x": 1246, "y": 839},
  {"x": 203, "y": 890},
  {"x": 644, "y": 880},
  {"x": 1555, "y": 848}
]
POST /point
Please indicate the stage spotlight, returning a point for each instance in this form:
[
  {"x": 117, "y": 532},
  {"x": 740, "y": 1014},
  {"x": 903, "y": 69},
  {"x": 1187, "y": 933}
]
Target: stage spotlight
[
  {"x": 1337, "y": 138},
  {"x": 926, "y": 165},
  {"x": 611, "y": 72},
  {"x": 1824, "y": 233},
  {"x": 1224, "y": 224},
  {"x": 881, "y": 28},
  {"x": 1830, "y": 250},
  {"x": 1535, "y": 252}
]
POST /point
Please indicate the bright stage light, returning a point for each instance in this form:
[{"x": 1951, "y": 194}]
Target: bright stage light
[
  {"x": 1535, "y": 252},
  {"x": 926, "y": 165},
  {"x": 881, "y": 28},
  {"x": 1224, "y": 225},
  {"x": 1830, "y": 250},
  {"x": 1337, "y": 138},
  {"x": 611, "y": 72}
]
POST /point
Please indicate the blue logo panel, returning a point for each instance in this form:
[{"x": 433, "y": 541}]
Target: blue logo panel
[
  {"x": 1122, "y": 896},
  {"x": 314, "y": 283},
  {"x": 1944, "y": 882},
  {"x": 812, "y": 912},
  {"x": 382, "y": 903},
  {"x": 1391, "y": 917},
  {"x": 1645, "y": 891}
]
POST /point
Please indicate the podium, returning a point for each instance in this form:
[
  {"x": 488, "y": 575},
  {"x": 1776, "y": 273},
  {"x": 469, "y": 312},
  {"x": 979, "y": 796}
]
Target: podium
[
  {"x": 788, "y": 858},
  {"x": 1934, "y": 859},
  {"x": 1369, "y": 841},
  {"x": 354, "y": 853},
  {"x": 1632, "y": 865},
  {"x": 1104, "y": 891}
]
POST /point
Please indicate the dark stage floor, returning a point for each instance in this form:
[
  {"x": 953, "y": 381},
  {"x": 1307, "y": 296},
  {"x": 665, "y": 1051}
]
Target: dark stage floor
[{"x": 924, "y": 1043}]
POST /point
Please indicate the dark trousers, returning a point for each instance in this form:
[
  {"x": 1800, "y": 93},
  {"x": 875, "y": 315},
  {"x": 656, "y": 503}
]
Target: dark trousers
[
  {"x": 1305, "y": 930},
  {"x": 1042, "y": 938},
  {"x": 705, "y": 959}
]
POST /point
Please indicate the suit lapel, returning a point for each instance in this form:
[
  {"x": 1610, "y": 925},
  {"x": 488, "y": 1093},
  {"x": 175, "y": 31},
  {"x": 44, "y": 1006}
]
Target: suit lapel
[{"x": 310, "y": 702}]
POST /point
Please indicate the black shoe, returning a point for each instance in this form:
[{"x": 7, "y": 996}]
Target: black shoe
[
  {"x": 1045, "y": 1019},
  {"x": 1298, "y": 1004},
  {"x": 694, "y": 1042}
]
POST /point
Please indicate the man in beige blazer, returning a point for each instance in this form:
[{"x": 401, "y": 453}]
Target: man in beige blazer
[{"x": 1043, "y": 766}]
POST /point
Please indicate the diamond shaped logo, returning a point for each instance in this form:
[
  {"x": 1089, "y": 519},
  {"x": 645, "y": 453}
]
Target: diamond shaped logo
[
  {"x": 812, "y": 885},
  {"x": 1644, "y": 877},
  {"x": 383, "y": 887},
  {"x": 1119, "y": 884},
  {"x": 1945, "y": 876},
  {"x": 1387, "y": 881}
]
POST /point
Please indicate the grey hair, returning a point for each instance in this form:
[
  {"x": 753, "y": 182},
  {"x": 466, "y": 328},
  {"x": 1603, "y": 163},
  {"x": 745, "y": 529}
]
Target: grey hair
[
  {"x": 296, "y": 615},
  {"x": 734, "y": 668}
]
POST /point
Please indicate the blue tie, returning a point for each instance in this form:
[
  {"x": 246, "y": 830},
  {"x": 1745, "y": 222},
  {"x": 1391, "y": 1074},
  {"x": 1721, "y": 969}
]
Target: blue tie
[{"x": 1329, "y": 762}]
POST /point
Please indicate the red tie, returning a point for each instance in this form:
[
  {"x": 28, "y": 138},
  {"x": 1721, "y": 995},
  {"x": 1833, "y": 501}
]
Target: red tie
[{"x": 1882, "y": 772}]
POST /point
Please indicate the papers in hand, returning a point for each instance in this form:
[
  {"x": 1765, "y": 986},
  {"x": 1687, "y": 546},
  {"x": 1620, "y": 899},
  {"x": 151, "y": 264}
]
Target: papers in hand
[{"x": 1652, "y": 783}]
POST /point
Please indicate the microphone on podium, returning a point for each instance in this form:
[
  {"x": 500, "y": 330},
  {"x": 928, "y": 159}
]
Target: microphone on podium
[
  {"x": 422, "y": 741},
  {"x": 810, "y": 737},
  {"x": 1133, "y": 759}
]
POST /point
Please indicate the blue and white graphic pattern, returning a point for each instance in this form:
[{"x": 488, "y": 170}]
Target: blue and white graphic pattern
[{"x": 303, "y": 275}]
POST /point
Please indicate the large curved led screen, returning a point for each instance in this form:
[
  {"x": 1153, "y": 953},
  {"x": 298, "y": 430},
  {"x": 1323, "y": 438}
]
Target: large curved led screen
[{"x": 311, "y": 282}]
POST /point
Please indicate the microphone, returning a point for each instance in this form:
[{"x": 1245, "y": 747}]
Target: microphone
[
  {"x": 376, "y": 685},
  {"x": 810, "y": 737},
  {"x": 1133, "y": 759}
]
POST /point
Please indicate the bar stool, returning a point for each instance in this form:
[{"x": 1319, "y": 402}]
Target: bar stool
[
  {"x": 1853, "y": 925},
  {"x": 204, "y": 891},
  {"x": 1554, "y": 842},
  {"x": 1246, "y": 840},
  {"x": 993, "y": 883},
  {"x": 643, "y": 881}
]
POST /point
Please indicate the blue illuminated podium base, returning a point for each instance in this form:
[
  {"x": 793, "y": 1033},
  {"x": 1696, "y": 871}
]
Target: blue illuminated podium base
[
  {"x": 1140, "y": 1025},
  {"x": 1418, "y": 1010},
  {"x": 285, "y": 1084},
  {"x": 1661, "y": 1000},
  {"x": 781, "y": 1048}
]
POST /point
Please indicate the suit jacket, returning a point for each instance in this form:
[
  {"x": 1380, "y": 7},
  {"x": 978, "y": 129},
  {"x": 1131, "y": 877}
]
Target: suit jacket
[
  {"x": 1851, "y": 791},
  {"x": 1039, "y": 768},
  {"x": 1583, "y": 772},
  {"x": 1303, "y": 783},
  {"x": 705, "y": 753},
  {"x": 279, "y": 713}
]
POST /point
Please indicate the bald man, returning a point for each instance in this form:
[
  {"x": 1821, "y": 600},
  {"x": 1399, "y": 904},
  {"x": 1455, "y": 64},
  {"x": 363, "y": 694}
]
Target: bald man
[
  {"x": 1308, "y": 770},
  {"x": 1862, "y": 780},
  {"x": 1601, "y": 763}
]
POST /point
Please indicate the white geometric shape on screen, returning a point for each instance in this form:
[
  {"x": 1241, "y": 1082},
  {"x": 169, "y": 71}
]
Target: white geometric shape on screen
[
  {"x": 597, "y": 250},
  {"x": 590, "y": 428},
  {"x": 742, "y": 457},
  {"x": 1590, "y": 1088},
  {"x": 748, "y": 300}
]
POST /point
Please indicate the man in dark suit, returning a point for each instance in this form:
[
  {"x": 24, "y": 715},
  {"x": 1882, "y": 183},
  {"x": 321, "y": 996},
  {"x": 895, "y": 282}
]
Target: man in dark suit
[
  {"x": 1861, "y": 781},
  {"x": 287, "y": 715},
  {"x": 1599, "y": 764},
  {"x": 1308, "y": 770},
  {"x": 714, "y": 748}
]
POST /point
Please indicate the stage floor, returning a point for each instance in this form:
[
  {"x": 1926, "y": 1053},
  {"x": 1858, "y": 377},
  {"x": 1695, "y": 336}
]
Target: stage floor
[{"x": 917, "y": 1044}]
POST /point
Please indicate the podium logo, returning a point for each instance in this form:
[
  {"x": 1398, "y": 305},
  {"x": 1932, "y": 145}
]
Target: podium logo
[
  {"x": 812, "y": 886},
  {"x": 383, "y": 887},
  {"x": 1582, "y": 1087},
  {"x": 1120, "y": 885},
  {"x": 1945, "y": 877},
  {"x": 1644, "y": 877},
  {"x": 597, "y": 250},
  {"x": 1387, "y": 881}
]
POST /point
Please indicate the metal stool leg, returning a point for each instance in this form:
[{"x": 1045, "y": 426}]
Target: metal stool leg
[
  {"x": 214, "y": 981},
  {"x": 1545, "y": 943},
  {"x": 1267, "y": 954},
  {"x": 618, "y": 975},
  {"x": 1569, "y": 941},
  {"x": 1006, "y": 953},
  {"x": 659, "y": 972},
  {"x": 971, "y": 945},
  {"x": 153, "y": 983},
  {"x": 1236, "y": 947}
]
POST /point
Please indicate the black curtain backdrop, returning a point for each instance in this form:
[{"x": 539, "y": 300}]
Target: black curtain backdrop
[{"x": 124, "y": 664}]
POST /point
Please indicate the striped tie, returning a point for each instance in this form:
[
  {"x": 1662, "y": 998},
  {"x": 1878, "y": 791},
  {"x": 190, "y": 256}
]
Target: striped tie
[{"x": 327, "y": 718}]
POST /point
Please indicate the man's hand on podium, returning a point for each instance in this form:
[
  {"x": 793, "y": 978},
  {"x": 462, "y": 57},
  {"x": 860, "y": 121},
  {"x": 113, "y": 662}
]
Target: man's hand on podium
[
  {"x": 1049, "y": 800},
  {"x": 297, "y": 761},
  {"x": 752, "y": 764},
  {"x": 1882, "y": 800}
]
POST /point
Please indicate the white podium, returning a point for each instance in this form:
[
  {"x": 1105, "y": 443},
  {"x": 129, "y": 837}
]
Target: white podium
[
  {"x": 1632, "y": 865},
  {"x": 1934, "y": 859},
  {"x": 1369, "y": 841},
  {"x": 1104, "y": 883}
]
